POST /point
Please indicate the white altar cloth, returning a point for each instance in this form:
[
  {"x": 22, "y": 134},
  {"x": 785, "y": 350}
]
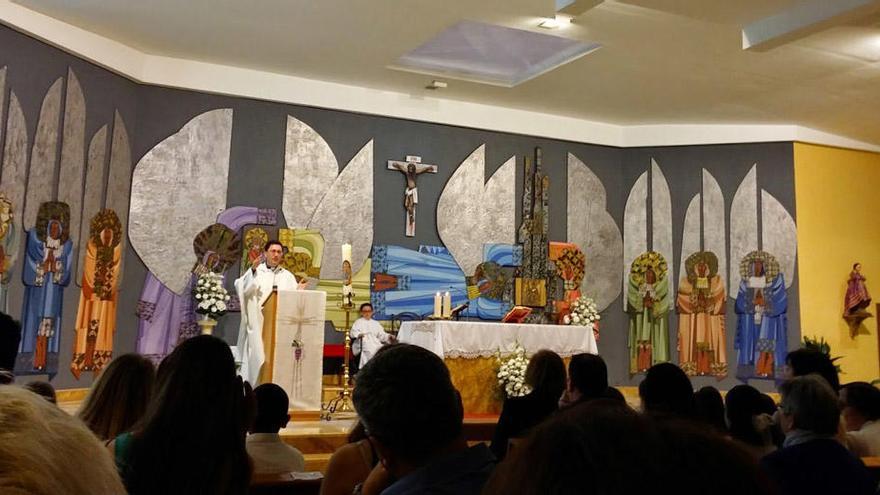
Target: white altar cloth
[{"x": 472, "y": 339}]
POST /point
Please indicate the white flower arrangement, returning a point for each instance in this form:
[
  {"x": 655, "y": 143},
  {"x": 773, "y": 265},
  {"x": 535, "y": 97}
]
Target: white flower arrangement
[
  {"x": 210, "y": 296},
  {"x": 512, "y": 372},
  {"x": 583, "y": 313}
]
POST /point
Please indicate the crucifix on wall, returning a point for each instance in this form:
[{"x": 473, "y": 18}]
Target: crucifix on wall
[{"x": 411, "y": 168}]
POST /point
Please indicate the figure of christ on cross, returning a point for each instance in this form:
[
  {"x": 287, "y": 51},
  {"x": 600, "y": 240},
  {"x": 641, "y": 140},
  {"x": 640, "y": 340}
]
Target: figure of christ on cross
[{"x": 411, "y": 168}]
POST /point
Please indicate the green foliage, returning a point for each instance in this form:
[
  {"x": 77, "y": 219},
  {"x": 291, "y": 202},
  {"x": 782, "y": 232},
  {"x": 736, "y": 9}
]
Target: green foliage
[{"x": 822, "y": 346}]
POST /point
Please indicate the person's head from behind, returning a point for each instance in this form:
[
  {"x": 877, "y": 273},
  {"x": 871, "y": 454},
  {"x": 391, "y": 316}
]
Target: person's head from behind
[
  {"x": 45, "y": 451},
  {"x": 272, "y": 409},
  {"x": 43, "y": 389},
  {"x": 197, "y": 412},
  {"x": 804, "y": 361},
  {"x": 859, "y": 404},
  {"x": 545, "y": 374},
  {"x": 809, "y": 404},
  {"x": 408, "y": 406},
  {"x": 119, "y": 397},
  {"x": 587, "y": 377},
  {"x": 743, "y": 403},
  {"x": 666, "y": 389},
  {"x": 709, "y": 408},
  {"x": 612, "y": 393},
  {"x": 10, "y": 336}
]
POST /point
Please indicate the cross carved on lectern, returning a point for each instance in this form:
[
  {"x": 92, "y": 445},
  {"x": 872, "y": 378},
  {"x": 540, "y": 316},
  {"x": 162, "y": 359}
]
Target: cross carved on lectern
[{"x": 411, "y": 168}]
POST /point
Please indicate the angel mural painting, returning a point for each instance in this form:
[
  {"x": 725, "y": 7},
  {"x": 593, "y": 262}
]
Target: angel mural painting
[
  {"x": 761, "y": 317},
  {"x": 96, "y": 316},
  {"x": 701, "y": 307},
  {"x": 46, "y": 274},
  {"x": 648, "y": 305}
]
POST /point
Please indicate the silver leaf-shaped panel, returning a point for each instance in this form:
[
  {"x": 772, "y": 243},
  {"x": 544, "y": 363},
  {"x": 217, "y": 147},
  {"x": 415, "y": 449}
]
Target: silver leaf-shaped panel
[
  {"x": 15, "y": 158},
  {"x": 661, "y": 217},
  {"x": 94, "y": 191},
  {"x": 41, "y": 177},
  {"x": 310, "y": 168},
  {"x": 119, "y": 179},
  {"x": 178, "y": 188},
  {"x": 743, "y": 225},
  {"x": 594, "y": 230},
  {"x": 690, "y": 235},
  {"x": 714, "y": 231},
  {"x": 635, "y": 227},
  {"x": 2, "y": 102},
  {"x": 73, "y": 155},
  {"x": 499, "y": 205},
  {"x": 779, "y": 235},
  {"x": 345, "y": 215}
]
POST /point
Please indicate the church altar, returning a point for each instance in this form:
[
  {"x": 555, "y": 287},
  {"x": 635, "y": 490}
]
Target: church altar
[{"x": 469, "y": 348}]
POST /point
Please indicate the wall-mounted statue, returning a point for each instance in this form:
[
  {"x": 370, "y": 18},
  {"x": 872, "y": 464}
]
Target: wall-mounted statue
[
  {"x": 411, "y": 169},
  {"x": 857, "y": 300}
]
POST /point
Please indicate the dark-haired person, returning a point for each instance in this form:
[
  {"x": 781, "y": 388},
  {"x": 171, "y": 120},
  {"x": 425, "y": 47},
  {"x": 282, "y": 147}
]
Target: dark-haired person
[
  {"x": 812, "y": 460},
  {"x": 192, "y": 437},
  {"x": 413, "y": 417},
  {"x": 860, "y": 408},
  {"x": 43, "y": 389},
  {"x": 368, "y": 335},
  {"x": 10, "y": 336},
  {"x": 802, "y": 362},
  {"x": 350, "y": 465},
  {"x": 119, "y": 397},
  {"x": 587, "y": 379},
  {"x": 545, "y": 375},
  {"x": 269, "y": 453},
  {"x": 253, "y": 288},
  {"x": 750, "y": 420},
  {"x": 604, "y": 447},
  {"x": 667, "y": 390},
  {"x": 709, "y": 408}
]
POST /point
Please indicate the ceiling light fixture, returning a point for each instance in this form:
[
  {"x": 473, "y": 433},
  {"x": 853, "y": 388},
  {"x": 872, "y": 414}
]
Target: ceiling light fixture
[
  {"x": 435, "y": 84},
  {"x": 549, "y": 23}
]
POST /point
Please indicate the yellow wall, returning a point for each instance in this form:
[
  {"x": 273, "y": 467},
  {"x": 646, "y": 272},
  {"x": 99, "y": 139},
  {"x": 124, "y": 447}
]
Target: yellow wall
[{"x": 838, "y": 215}]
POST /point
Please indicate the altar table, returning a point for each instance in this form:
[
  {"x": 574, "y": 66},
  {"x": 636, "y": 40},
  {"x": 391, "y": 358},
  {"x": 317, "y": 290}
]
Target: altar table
[{"x": 469, "y": 350}]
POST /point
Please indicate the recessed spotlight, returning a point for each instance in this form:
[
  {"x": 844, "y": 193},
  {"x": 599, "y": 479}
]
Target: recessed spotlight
[{"x": 435, "y": 84}]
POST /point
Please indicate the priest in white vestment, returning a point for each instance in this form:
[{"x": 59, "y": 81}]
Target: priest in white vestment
[
  {"x": 368, "y": 335},
  {"x": 253, "y": 288}
]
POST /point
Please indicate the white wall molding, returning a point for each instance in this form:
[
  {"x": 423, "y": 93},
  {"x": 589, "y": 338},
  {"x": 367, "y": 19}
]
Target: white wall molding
[{"x": 235, "y": 81}]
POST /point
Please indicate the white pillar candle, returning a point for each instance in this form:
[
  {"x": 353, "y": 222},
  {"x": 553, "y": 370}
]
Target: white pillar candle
[
  {"x": 346, "y": 253},
  {"x": 437, "y": 305},
  {"x": 447, "y": 305}
]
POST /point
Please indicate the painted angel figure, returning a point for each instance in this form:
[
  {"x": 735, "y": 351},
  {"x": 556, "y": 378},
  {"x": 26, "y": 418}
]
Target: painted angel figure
[
  {"x": 857, "y": 297},
  {"x": 411, "y": 195},
  {"x": 648, "y": 305},
  {"x": 96, "y": 315},
  {"x": 8, "y": 247},
  {"x": 46, "y": 274},
  {"x": 761, "y": 317},
  {"x": 701, "y": 307}
]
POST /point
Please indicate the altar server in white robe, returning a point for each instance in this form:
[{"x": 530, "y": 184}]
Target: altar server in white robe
[
  {"x": 368, "y": 335},
  {"x": 253, "y": 288}
]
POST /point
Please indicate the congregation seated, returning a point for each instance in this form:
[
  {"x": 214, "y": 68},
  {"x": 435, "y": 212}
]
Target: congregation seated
[
  {"x": 268, "y": 452},
  {"x": 587, "y": 379},
  {"x": 709, "y": 408},
  {"x": 667, "y": 391},
  {"x": 45, "y": 451},
  {"x": 119, "y": 396},
  {"x": 413, "y": 416},
  {"x": 604, "y": 447},
  {"x": 192, "y": 437},
  {"x": 802, "y": 362},
  {"x": 350, "y": 465},
  {"x": 749, "y": 421},
  {"x": 860, "y": 409},
  {"x": 43, "y": 389},
  {"x": 545, "y": 376},
  {"x": 812, "y": 460}
]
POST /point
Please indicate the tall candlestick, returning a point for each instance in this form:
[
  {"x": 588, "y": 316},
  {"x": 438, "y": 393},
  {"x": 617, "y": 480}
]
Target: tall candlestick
[
  {"x": 447, "y": 305},
  {"x": 437, "y": 305}
]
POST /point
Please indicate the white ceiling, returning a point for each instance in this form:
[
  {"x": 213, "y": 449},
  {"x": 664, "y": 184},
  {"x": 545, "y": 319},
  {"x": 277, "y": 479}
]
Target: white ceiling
[{"x": 662, "y": 61}]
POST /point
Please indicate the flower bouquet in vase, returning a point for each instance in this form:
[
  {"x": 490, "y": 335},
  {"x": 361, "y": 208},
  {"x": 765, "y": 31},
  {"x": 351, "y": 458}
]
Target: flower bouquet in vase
[
  {"x": 512, "y": 372},
  {"x": 584, "y": 313},
  {"x": 210, "y": 300}
]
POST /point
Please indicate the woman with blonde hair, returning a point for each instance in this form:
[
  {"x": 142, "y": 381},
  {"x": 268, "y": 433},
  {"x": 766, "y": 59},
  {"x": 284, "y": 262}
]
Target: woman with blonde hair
[
  {"x": 44, "y": 450},
  {"x": 119, "y": 397}
]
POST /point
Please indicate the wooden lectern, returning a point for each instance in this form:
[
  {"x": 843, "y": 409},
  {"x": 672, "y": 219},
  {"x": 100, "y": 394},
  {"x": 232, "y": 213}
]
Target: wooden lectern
[{"x": 270, "y": 321}]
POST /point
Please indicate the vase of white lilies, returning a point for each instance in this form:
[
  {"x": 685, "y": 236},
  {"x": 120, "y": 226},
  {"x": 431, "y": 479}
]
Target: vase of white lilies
[
  {"x": 583, "y": 313},
  {"x": 512, "y": 372},
  {"x": 210, "y": 300}
]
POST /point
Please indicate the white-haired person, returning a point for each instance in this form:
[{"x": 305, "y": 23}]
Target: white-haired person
[{"x": 45, "y": 451}]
